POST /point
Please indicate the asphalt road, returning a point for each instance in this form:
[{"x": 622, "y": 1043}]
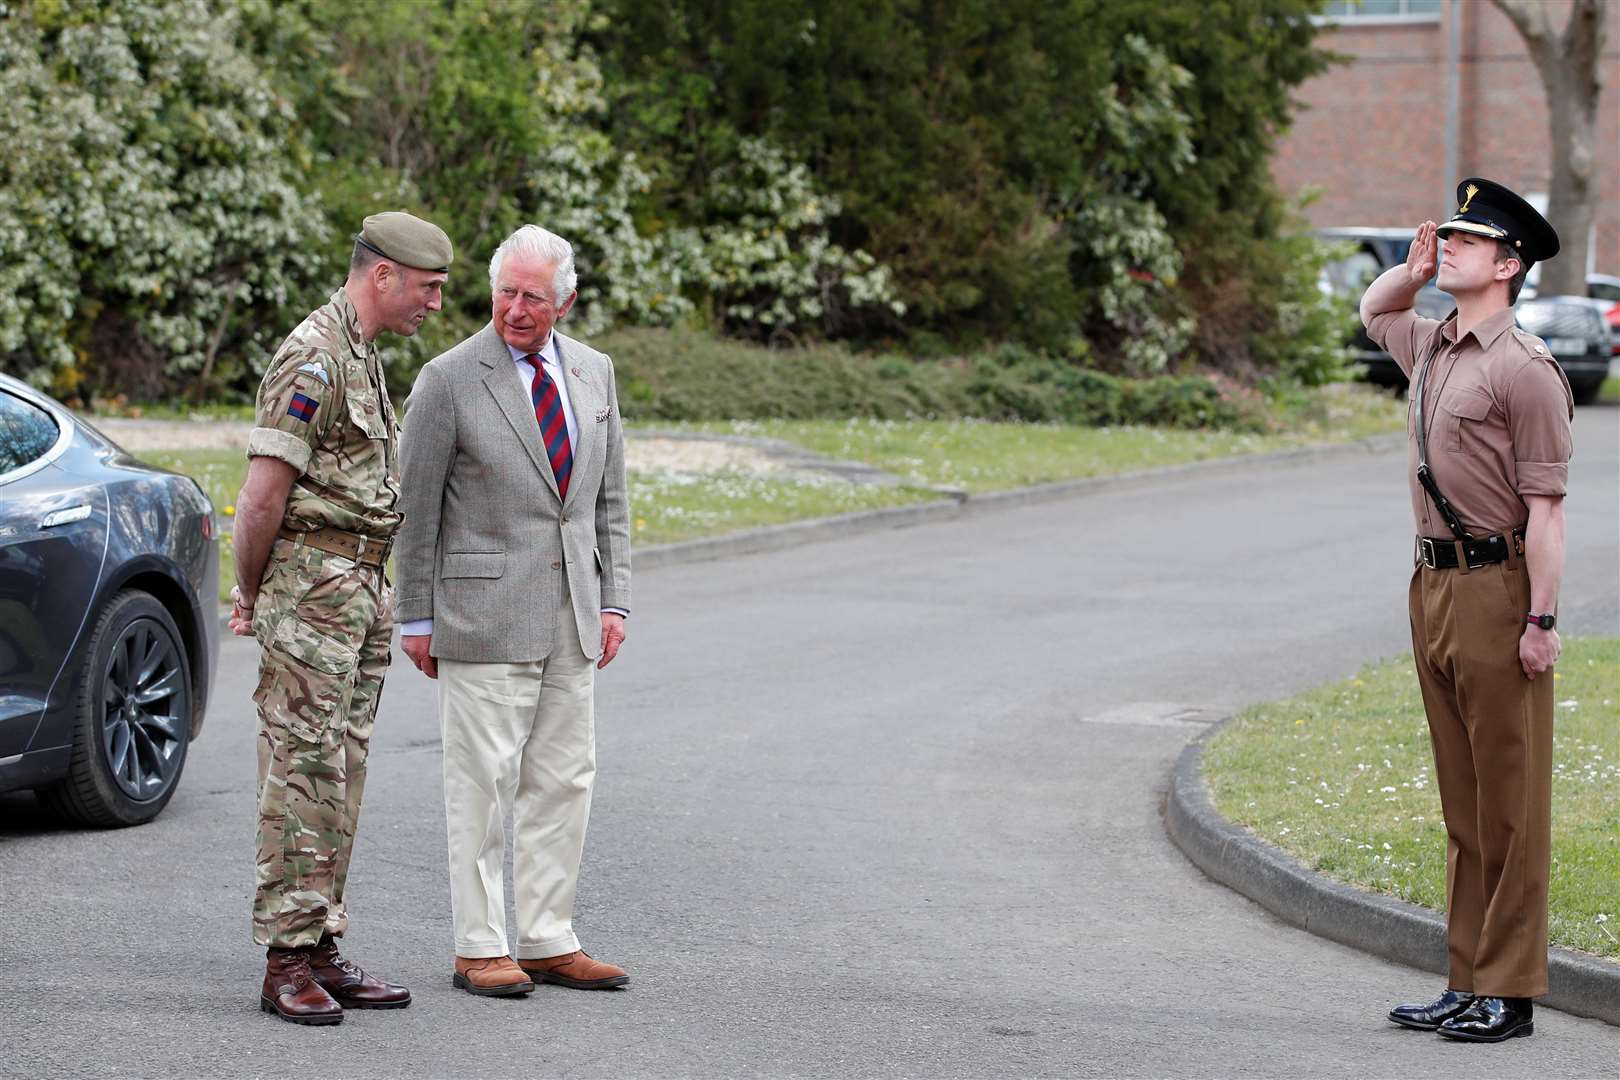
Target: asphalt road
[{"x": 882, "y": 806}]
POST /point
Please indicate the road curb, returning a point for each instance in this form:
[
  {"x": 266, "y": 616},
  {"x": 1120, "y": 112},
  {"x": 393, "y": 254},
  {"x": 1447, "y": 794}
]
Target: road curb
[
  {"x": 955, "y": 503},
  {"x": 794, "y": 533},
  {"x": 1381, "y": 925}
]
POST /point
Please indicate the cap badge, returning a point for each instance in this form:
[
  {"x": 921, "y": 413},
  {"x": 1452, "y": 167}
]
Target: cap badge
[{"x": 1472, "y": 190}]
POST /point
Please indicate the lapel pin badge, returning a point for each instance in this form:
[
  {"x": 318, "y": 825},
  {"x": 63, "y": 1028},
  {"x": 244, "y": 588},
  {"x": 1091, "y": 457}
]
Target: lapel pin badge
[
  {"x": 577, "y": 373},
  {"x": 604, "y": 414}
]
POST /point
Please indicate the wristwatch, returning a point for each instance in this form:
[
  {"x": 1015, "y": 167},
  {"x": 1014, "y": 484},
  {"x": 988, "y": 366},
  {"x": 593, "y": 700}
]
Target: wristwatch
[{"x": 1546, "y": 622}]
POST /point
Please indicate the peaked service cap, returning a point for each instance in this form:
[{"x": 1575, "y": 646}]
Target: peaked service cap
[{"x": 1486, "y": 208}]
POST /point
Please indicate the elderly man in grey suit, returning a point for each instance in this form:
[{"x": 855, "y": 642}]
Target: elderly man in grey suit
[{"x": 514, "y": 585}]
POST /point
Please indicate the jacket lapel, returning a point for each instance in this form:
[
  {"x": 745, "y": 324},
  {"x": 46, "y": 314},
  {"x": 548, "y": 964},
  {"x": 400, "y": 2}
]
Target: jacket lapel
[
  {"x": 586, "y": 398},
  {"x": 502, "y": 381}
]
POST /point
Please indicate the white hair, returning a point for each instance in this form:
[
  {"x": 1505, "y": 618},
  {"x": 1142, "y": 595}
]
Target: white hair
[{"x": 541, "y": 244}]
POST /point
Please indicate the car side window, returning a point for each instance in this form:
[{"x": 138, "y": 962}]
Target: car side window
[{"x": 26, "y": 433}]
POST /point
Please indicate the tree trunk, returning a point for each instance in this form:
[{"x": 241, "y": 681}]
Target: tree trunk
[{"x": 1568, "y": 65}]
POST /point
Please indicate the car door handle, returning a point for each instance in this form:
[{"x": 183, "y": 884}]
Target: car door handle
[{"x": 65, "y": 517}]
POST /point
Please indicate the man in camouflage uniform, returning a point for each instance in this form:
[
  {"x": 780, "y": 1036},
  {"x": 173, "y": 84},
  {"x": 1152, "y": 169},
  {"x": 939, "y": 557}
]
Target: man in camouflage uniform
[{"x": 314, "y": 524}]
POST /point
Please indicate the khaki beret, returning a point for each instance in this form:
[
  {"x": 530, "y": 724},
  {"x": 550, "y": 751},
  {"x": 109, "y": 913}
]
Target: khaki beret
[{"x": 407, "y": 240}]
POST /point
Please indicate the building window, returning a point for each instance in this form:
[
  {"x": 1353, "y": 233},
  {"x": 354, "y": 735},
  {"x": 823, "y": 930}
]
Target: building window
[{"x": 1373, "y": 11}]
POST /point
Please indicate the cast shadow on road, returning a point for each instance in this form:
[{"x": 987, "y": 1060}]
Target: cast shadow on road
[{"x": 21, "y": 815}]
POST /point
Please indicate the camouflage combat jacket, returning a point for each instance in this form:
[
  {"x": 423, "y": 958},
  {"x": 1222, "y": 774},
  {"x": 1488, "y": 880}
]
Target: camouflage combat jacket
[{"x": 323, "y": 409}]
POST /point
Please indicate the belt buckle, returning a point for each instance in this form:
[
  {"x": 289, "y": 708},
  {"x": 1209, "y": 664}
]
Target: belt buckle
[{"x": 1426, "y": 552}]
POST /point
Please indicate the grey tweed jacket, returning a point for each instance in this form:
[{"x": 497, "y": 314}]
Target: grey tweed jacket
[{"x": 486, "y": 538}]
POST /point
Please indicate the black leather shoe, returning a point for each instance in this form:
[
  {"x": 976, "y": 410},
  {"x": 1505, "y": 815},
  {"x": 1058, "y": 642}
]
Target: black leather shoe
[
  {"x": 1430, "y": 1016},
  {"x": 1491, "y": 1019}
]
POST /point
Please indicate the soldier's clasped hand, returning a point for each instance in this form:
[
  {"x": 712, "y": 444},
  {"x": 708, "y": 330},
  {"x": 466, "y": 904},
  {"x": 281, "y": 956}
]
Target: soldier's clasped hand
[{"x": 241, "y": 621}]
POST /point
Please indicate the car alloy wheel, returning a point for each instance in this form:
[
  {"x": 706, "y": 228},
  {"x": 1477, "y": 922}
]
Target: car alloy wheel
[
  {"x": 146, "y": 706},
  {"x": 133, "y": 711}
]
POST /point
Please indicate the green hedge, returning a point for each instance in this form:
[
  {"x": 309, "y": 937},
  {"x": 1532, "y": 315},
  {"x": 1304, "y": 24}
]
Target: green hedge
[{"x": 682, "y": 375}]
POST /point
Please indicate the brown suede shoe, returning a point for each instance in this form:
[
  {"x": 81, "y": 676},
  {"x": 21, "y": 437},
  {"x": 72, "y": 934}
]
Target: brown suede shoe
[
  {"x": 490, "y": 976},
  {"x": 575, "y": 970},
  {"x": 291, "y": 992},
  {"x": 351, "y": 987}
]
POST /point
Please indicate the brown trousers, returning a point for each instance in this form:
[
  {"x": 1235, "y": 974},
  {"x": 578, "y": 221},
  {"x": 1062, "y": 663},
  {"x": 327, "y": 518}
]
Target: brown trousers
[{"x": 1492, "y": 732}]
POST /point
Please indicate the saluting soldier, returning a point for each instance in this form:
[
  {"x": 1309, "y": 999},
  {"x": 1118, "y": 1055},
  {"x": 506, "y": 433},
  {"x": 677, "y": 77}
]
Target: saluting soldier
[
  {"x": 1490, "y": 413},
  {"x": 314, "y": 524}
]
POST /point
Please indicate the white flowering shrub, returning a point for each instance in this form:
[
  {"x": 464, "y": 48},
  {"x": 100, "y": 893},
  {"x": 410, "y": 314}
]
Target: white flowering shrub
[
  {"x": 626, "y": 276},
  {"x": 150, "y": 214},
  {"x": 768, "y": 264},
  {"x": 1132, "y": 262},
  {"x": 761, "y": 265},
  {"x": 1137, "y": 262}
]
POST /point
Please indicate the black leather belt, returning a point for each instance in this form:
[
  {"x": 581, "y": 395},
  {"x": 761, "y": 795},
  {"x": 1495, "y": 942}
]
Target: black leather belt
[{"x": 1440, "y": 552}]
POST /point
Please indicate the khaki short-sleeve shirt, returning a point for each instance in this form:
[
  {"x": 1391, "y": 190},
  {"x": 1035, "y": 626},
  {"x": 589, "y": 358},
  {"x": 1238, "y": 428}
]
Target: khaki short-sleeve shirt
[
  {"x": 323, "y": 408},
  {"x": 1497, "y": 411}
]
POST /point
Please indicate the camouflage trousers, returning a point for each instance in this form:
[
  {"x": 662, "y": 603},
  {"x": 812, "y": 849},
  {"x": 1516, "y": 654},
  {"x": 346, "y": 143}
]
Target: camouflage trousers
[{"x": 324, "y": 624}]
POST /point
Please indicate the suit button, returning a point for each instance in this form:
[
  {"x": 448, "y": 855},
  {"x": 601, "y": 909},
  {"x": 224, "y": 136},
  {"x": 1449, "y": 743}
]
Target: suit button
[
  {"x": 565, "y": 521},
  {"x": 556, "y": 564}
]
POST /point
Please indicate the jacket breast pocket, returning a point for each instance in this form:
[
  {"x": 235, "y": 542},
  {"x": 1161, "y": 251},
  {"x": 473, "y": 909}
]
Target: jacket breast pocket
[
  {"x": 473, "y": 564},
  {"x": 1463, "y": 409}
]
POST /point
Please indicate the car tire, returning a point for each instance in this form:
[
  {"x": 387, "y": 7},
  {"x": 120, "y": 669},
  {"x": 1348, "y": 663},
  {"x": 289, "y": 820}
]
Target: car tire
[{"x": 132, "y": 700}]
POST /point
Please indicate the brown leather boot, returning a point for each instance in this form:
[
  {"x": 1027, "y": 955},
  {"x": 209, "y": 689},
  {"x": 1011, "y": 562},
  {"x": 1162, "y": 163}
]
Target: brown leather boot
[
  {"x": 575, "y": 970},
  {"x": 348, "y": 984},
  {"x": 490, "y": 976},
  {"x": 292, "y": 993}
]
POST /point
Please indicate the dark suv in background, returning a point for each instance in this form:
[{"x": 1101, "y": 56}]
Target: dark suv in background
[{"x": 1573, "y": 327}]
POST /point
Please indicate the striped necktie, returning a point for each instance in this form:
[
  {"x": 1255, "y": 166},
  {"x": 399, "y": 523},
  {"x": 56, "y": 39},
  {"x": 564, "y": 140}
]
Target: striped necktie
[{"x": 548, "y": 410}]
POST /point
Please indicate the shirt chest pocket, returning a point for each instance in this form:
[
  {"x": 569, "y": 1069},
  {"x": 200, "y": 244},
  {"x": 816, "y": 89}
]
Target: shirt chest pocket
[
  {"x": 1464, "y": 411},
  {"x": 365, "y": 410}
]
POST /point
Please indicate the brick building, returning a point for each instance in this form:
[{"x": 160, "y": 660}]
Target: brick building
[{"x": 1373, "y": 133}]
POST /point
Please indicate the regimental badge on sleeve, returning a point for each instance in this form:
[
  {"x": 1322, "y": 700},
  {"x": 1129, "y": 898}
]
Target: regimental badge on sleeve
[{"x": 302, "y": 407}]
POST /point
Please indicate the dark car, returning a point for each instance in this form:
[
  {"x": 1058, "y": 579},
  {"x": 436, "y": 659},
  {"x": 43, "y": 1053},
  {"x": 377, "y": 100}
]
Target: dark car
[
  {"x": 1576, "y": 335},
  {"x": 1603, "y": 293},
  {"x": 109, "y": 616}
]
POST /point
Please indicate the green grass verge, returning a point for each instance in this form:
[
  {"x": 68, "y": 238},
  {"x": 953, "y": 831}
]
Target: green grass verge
[
  {"x": 1342, "y": 778},
  {"x": 1610, "y": 390},
  {"x": 667, "y": 505},
  {"x": 220, "y": 472},
  {"x": 980, "y": 456}
]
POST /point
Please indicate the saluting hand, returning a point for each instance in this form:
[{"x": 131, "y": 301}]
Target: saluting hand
[{"x": 1422, "y": 258}]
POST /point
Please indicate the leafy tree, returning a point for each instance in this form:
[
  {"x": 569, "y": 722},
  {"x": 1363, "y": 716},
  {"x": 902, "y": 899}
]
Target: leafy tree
[
  {"x": 1089, "y": 177},
  {"x": 1568, "y": 66},
  {"x": 153, "y": 222}
]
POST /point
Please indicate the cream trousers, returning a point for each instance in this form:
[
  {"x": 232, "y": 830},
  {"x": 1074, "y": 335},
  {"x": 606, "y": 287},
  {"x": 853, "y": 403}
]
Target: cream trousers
[{"x": 519, "y": 740}]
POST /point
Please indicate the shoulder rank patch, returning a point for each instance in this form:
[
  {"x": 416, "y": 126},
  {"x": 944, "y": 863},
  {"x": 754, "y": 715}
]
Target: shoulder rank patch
[
  {"x": 314, "y": 368},
  {"x": 302, "y": 408}
]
